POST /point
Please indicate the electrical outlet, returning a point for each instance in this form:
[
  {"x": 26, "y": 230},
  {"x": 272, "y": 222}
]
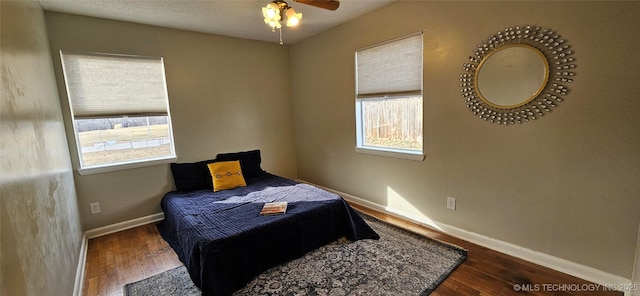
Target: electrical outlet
[
  {"x": 95, "y": 208},
  {"x": 451, "y": 203}
]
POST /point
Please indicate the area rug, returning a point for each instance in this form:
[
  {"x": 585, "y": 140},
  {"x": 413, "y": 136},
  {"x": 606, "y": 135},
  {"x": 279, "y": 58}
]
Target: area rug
[{"x": 399, "y": 263}]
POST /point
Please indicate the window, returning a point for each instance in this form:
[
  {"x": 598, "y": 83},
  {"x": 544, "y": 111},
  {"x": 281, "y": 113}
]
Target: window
[
  {"x": 389, "y": 98},
  {"x": 120, "y": 110}
]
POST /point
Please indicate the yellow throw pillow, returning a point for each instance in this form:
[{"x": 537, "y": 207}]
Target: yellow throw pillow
[{"x": 226, "y": 175}]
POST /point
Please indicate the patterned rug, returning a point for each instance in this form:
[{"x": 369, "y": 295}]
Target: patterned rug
[{"x": 400, "y": 263}]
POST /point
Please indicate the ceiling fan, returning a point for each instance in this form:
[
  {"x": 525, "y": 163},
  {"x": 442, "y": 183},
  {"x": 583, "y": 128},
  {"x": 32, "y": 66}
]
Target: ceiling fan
[
  {"x": 275, "y": 10},
  {"x": 326, "y": 4}
]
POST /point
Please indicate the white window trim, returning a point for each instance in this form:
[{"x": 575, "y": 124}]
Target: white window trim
[
  {"x": 396, "y": 153},
  {"x": 131, "y": 164},
  {"x": 106, "y": 168},
  {"x": 382, "y": 151}
]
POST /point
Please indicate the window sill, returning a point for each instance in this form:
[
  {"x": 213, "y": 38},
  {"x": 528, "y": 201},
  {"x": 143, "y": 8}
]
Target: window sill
[
  {"x": 126, "y": 166},
  {"x": 402, "y": 154}
]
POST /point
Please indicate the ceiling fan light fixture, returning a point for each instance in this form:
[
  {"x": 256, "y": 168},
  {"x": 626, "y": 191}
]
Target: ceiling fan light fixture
[
  {"x": 274, "y": 12},
  {"x": 271, "y": 14},
  {"x": 293, "y": 18},
  {"x": 271, "y": 10}
]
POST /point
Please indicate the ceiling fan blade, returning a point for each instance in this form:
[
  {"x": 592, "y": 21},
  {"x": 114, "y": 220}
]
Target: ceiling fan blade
[{"x": 326, "y": 4}]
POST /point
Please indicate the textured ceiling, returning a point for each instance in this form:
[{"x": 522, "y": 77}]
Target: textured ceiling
[{"x": 237, "y": 18}]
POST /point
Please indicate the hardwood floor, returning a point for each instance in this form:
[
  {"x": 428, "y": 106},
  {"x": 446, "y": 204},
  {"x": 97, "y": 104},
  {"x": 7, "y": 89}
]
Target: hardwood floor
[
  {"x": 131, "y": 255},
  {"x": 128, "y": 256}
]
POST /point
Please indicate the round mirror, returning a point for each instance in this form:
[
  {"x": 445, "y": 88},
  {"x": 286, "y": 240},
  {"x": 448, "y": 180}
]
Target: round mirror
[
  {"x": 517, "y": 75},
  {"x": 512, "y": 76}
]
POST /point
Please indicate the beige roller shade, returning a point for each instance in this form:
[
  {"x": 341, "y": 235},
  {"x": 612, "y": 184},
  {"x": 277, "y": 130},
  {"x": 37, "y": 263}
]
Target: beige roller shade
[
  {"x": 102, "y": 85},
  {"x": 392, "y": 68}
]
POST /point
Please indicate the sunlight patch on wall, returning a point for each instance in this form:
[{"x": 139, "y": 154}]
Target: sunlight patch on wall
[{"x": 397, "y": 204}]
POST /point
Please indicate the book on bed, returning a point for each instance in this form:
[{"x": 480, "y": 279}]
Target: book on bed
[{"x": 274, "y": 208}]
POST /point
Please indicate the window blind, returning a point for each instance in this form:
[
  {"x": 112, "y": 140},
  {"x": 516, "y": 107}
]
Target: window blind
[
  {"x": 392, "y": 68},
  {"x": 102, "y": 85}
]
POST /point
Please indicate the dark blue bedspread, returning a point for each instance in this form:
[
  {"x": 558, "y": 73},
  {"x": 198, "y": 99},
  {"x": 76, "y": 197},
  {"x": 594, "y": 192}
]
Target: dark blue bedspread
[{"x": 224, "y": 242}]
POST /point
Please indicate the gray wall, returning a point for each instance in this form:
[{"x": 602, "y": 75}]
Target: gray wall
[
  {"x": 40, "y": 229},
  {"x": 225, "y": 94},
  {"x": 564, "y": 185}
]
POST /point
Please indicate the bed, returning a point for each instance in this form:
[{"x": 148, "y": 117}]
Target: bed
[{"x": 223, "y": 240}]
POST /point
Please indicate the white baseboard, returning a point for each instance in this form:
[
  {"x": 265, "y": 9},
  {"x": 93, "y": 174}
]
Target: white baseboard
[
  {"x": 562, "y": 265},
  {"x": 82, "y": 260},
  {"x": 565, "y": 266},
  {"x": 100, "y": 231}
]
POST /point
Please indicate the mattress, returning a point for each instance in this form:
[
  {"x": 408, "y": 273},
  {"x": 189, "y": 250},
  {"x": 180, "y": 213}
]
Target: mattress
[{"x": 224, "y": 242}]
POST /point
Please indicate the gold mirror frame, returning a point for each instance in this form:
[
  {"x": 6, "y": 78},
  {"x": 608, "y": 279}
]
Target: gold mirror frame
[{"x": 559, "y": 59}]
